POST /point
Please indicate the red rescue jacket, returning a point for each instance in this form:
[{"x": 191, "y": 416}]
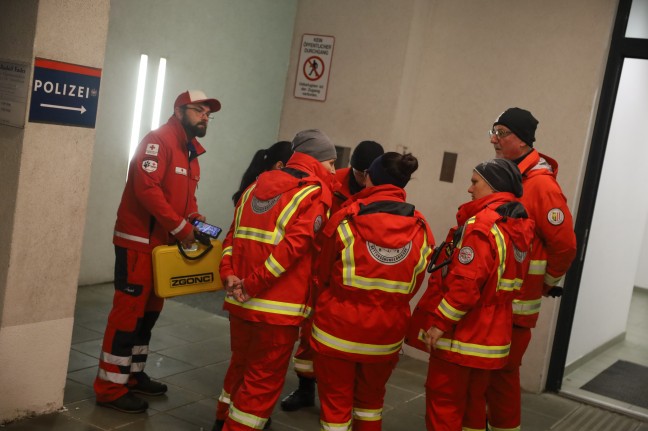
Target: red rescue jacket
[
  {"x": 270, "y": 244},
  {"x": 470, "y": 299},
  {"x": 554, "y": 246},
  {"x": 159, "y": 196},
  {"x": 374, "y": 254}
]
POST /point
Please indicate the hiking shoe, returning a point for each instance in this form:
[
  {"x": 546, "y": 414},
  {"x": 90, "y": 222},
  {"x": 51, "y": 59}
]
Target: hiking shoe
[
  {"x": 298, "y": 399},
  {"x": 146, "y": 386},
  {"x": 218, "y": 426},
  {"x": 127, "y": 403}
]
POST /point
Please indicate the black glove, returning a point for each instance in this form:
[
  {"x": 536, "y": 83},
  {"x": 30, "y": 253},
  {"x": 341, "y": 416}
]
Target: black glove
[{"x": 555, "y": 292}]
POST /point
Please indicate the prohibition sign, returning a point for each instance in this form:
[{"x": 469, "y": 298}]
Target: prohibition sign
[{"x": 313, "y": 68}]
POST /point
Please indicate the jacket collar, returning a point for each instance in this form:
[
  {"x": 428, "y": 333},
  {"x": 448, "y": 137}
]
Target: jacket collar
[
  {"x": 179, "y": 132},
  {"x": 471, "y": 208}
]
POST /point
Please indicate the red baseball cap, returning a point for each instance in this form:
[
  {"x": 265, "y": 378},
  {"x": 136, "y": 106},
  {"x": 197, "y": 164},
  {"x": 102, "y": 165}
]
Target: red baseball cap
[{"x": 196, "y": 96}]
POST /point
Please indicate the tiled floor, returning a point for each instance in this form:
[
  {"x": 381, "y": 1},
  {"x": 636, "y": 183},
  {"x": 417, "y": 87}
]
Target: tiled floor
[
  {"x": 634, "y": 348},
  {"x": 191, "y": 350}
]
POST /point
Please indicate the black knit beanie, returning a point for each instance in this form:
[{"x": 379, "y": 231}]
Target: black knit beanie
[
  {"x": 521, "y": 122},
  {"x": 364, "y": 154},
  {"x": 502, "y": 175}
]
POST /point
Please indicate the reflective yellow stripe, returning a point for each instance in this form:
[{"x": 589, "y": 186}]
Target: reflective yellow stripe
[
  {"x": 526, "y": 308},
  {"x": 353, "y": 347},
  {"x": 537, "y": 267},
  {"x": 501, "y": 251},
  {"x": 421, "y": 335},
  {"x": 224, "y": 397},
  {"x": 348, "y": 266},
  {"x": 275, "y": 236},
  {"x": 274, "y": 267},
  {"x": 473, "y": 429},
  {"x": 470, "y": 349},
  {"x": 246, "y": 419},
  {"x": 276, "y": 307},
  {"x": 510, "y": 285},
  {"x": 450, "y": 312},
  {"x": 551, "y": 280},
  {"x": 328, "y": 426},
  {"x": 369, "y": 415},
  {"x": 227, "y": 251},
  {"x": 303, "y": 366}
]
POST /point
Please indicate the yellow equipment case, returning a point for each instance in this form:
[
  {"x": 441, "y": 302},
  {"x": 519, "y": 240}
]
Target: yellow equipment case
[{"x": 178, "y": 271}]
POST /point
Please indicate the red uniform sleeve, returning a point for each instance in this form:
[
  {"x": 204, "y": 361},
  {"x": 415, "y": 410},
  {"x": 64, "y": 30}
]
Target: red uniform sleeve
[
  {"x": 470, "y": 268},
  {"x": 148, "y": 175},
  {"x": 554, "y": 225},
  {"x": 297, "y": 242},
  {"x": 226, "y": 267}
]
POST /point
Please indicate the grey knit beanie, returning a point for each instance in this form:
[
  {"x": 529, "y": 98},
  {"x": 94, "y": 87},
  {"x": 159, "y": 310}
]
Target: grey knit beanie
[
  {"x": 502, "y": 175},
  {"x": 314, "y": 143}
]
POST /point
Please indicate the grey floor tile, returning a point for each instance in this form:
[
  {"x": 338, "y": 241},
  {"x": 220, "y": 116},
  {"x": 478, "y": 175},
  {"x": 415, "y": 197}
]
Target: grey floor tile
[
  {"x": 201, "y": 413},
  {"x": 207, "y": 381},
  {"x": 88, "y": 412},
  {"x": 159, "y": 366},
  {"x": 548, "y": 405},
  {"x": 75, "y": 392},
  {"x": 81, "y": 334},
  {"x": 162, "y": 422},
  {"x": 79, "y": 361},
  {"x": 50, "y": 422},
  {"x": 203, "y": 353}
]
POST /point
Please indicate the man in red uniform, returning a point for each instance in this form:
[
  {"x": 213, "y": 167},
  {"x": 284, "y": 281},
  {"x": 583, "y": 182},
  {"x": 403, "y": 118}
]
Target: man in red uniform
[
  {"x": 554, "y": 248},
  {"x": 157, "y": 207},
  {"x": 352, "y": 180},
  {"x": 465, "y": 314},
  {"x": 266, "y": 268}
]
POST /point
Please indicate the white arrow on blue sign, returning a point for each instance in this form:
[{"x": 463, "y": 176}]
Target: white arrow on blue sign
[{"x": 64, "y": 93}]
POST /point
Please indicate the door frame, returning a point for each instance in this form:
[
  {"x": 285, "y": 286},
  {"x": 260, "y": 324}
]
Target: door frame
[{"x": 621, "y": 48}]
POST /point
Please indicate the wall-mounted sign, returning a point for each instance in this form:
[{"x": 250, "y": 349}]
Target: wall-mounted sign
[
  {"x": 64, "y": 93},
  {"x": 314, "y": 67},
  {"x": 14, "y": 78}
]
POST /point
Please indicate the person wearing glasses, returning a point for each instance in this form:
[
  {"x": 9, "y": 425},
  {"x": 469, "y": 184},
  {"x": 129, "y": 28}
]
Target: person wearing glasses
[
  {"x": 464, "y": 316},
  {"x": 554, "y": 248},
  {"x": 157, "y": 207},
  {"x": 352, "y": 180}
]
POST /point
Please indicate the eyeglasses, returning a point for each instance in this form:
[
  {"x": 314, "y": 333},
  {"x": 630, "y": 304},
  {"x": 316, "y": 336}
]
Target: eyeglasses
[
  {"x": 499, "y": 133},
  {"x": 202, "y": 113}
]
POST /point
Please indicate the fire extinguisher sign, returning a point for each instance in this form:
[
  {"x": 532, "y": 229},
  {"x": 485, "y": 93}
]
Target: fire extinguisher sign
[{"x": 314, "y": 67}]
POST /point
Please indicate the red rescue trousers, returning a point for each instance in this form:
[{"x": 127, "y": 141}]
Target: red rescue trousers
[
  {"x": 128, "y": 332},
  {"x": 449, "y": 390},
  {"x": 303, "y": 358},
  {"x": 351, "y": 392},
  {"x": 256, "y": 374},
  {"x": 503, "y": 394}
]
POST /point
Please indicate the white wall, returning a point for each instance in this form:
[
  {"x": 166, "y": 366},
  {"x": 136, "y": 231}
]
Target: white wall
[
  {"x": 641, "y": 279},
  {"x": 236, "y": 51},
  {"x": 433, "y": 75},
  {"x": 617, "y": 231}
]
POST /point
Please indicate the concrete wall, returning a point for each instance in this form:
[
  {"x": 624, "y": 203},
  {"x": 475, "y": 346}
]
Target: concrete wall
[
  {"x": 432, "y": 76},
  {"x": 236, "y": 51},
  {"x": 45, "y": 174}
]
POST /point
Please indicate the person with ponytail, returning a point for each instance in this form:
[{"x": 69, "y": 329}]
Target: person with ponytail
[
  {"x": 373, "y": 259},
  {"x": 274, "y": 157}
]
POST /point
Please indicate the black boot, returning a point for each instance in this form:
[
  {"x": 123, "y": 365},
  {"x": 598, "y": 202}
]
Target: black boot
[
  {"x": 304, "y": 396},
  {"x": 218, "y": 426}
]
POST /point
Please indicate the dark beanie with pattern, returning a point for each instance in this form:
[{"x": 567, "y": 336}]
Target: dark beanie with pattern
[
  {"x": 502, "y": 175},
  {"x": 521, "y": 122}
]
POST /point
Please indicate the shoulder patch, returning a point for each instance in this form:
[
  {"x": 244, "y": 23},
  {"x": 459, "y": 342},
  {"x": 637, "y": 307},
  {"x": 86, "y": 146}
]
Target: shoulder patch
[
  {"x": 260, "y": 207},
  {"x": 152, "y": 149},
  {"x": 389, "y": 256},
  {"x": 466, "y": 255},
  {"x": 555, "y": 216},
  {"x": 149, "y": 165},
  {"x": 317, "y": 225}
]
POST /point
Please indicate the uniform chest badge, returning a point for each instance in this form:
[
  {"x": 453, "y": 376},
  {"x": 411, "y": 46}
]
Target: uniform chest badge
[
  {"x": 260, "y": 207},
  {"x": 389, "y": 256},
  {"x": 519, "y": 255},
  {"x": 466, "y": 255},
  {"x": 555, "y": 216},
  {"x": 317, "y": 225}
]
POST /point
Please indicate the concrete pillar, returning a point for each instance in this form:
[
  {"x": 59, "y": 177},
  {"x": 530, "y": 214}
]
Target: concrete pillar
[{"x": 44, "y": 182}]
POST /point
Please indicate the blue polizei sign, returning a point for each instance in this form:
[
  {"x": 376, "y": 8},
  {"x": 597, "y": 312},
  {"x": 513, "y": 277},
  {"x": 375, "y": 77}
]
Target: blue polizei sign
[{"x": 64, "y": 93}]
